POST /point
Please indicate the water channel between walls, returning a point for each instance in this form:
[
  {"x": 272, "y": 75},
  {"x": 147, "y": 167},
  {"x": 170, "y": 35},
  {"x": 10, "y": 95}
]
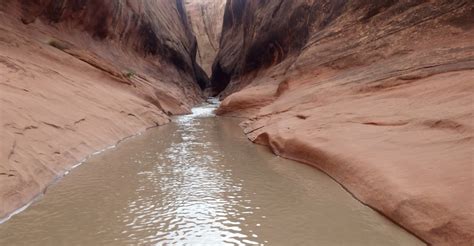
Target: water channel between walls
[{"x": 198, "y": 180}]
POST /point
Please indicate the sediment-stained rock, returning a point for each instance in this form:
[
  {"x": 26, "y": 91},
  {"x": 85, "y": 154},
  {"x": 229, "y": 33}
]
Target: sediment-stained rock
[
  {"x": 79, "y": 76},
  {"x": 378, "y": 94},
  {"x": 206, "y": 20}
]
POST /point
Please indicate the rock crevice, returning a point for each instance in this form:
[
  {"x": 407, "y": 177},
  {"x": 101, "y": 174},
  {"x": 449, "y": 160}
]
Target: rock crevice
[{"x": 205, "y": 17}]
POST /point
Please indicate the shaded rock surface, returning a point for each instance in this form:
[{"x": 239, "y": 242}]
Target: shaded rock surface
[
  {"x": 206, "y": 20},
  {"x": 79, "y": 76},
  {"x": 378, "y": 94}
]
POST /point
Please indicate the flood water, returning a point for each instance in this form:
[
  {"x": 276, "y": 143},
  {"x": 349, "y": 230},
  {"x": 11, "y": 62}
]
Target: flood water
[{"x": 198, "y": 181}]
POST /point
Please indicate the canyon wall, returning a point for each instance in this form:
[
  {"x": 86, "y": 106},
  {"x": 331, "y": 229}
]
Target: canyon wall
[
  {"x": 206, "y": 17},
  {"x": 77, "y": 76},
  {"x": 378, "y": 94}
]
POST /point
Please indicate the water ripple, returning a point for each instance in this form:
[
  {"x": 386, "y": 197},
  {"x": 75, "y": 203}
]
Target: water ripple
[
  {"x": 198, "y": 200},
  {"x": 197, "y": 181}
]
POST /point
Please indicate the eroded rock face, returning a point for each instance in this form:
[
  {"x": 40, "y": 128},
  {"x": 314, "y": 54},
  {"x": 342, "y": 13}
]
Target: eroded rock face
[
  {"x": 378, "y": 94},
  {"x": 206, "y": 21},
  {"x": 79, "y": 76}
]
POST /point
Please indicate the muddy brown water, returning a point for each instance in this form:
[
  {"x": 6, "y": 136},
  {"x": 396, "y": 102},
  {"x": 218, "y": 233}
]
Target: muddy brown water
[{"x": 198, "y": 181}]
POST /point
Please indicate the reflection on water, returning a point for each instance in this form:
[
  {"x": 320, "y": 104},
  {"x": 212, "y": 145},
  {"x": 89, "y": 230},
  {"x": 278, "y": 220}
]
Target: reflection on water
[
  {"x": 195, "y": 198},
  {"x": 198, "y": 181}
]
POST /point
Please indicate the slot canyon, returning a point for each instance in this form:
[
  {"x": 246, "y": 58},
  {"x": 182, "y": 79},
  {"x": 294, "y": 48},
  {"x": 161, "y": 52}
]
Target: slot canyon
[{"x": 133, "y": 121}]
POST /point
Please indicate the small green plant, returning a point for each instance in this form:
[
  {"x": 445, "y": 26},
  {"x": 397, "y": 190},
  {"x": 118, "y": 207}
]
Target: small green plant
[
  {"x": 58, "y": 45},
  {"x": 129, "y": 74}
]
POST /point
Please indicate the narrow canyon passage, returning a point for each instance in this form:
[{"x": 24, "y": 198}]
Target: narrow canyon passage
[
  {"x": 375, "y": 94},
  {"x": 198, "y": 180}
]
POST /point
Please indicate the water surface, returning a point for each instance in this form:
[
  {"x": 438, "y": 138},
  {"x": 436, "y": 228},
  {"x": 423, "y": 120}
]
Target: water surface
[{"x": 198, "y": 181}]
